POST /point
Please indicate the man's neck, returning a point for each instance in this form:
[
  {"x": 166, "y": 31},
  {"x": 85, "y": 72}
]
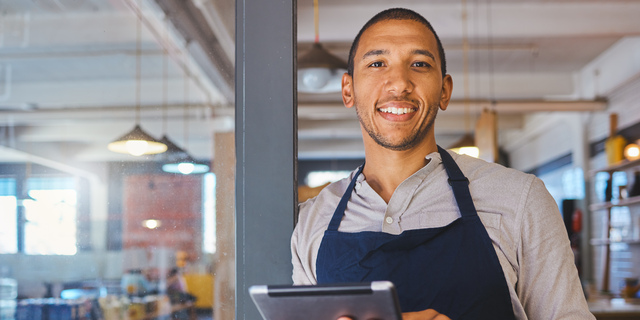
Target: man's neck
[{"x": 386, "y": 169}]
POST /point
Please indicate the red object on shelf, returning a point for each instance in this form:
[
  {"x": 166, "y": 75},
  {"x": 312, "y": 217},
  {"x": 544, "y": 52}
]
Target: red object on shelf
[{"x": 577, "y": 220}]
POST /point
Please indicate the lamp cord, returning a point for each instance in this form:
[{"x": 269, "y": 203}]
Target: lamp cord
[
  {"x": 186, "y": 109},
  {"x": 138, "y": 65},
  {"x": 465, "y": 66},
  {"x": 316, "y": 18},
  {"x": 165, "y": 75}
]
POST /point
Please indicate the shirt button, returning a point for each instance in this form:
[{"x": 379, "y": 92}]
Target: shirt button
[{"x": 388, "y": 220}]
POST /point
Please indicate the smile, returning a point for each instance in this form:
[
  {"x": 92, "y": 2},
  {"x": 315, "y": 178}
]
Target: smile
[{"x": 394, "y": 110}]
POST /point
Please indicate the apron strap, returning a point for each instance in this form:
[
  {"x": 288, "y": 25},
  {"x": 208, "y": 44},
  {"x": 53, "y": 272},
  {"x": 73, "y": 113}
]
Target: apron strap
[
  {"x": 339, "y": 212},
  {"x": 459, "y": 183}
]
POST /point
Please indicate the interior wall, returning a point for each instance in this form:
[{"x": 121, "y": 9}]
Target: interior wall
[
  {"x": 545, "y": 138},
  {"x": 549, "y": 136}
]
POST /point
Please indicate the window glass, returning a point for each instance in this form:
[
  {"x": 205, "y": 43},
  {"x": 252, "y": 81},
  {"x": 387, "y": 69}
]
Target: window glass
[
  {"x": 82, "y": 222},
  {"x": 50, "y": 215},
  {"x": 8, "y": 218},
  {"x": 209, "y": 214},
  {"x": 318, "y": 178}
]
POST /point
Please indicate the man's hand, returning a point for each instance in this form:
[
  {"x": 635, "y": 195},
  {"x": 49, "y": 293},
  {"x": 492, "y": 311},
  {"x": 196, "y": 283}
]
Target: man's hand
[{"x": 428, "y": 314}]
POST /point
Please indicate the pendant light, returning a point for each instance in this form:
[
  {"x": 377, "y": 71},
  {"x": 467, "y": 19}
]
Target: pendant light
[
  {"x": 137, "y": 142},
  {"x": 179, "y": 160},
  {"x": 632, "y": 151},
  {"x": 173, "y": 153},
  {"x": 466, "y": 145},
  {"x": 319, "y": 71}
]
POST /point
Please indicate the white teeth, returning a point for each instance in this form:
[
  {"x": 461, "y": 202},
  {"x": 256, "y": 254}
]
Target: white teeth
[{"x": 395, "y": 110}]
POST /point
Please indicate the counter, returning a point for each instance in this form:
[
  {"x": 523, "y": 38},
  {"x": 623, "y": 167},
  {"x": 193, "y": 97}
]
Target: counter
[{"x": 615, "y": 308}]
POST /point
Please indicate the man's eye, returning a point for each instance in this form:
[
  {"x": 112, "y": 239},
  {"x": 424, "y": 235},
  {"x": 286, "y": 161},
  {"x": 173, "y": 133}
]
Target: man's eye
[
  {"x": 376, "y": 64},
  {"x": 421, "y": 64}
]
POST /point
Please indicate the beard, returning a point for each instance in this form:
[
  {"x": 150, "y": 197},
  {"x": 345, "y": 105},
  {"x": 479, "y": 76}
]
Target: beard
[{"x": 413, "y": 139}]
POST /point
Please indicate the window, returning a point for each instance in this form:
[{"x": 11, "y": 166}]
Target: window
[
  {"x": 9, "y": 216},
  {"x": 50, "y": 216},
  {"x": 209, "y": 213},
  {"x": 318, "y": 178}
]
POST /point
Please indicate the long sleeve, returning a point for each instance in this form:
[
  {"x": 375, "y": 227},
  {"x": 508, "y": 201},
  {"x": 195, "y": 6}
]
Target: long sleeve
[{"x": 548, "y": 285}]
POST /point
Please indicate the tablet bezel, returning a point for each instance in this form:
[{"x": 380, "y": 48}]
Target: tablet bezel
[{"x": 361, "y": 301}]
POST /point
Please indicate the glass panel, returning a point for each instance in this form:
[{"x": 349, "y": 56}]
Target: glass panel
[{"x": 96, "y": 230}]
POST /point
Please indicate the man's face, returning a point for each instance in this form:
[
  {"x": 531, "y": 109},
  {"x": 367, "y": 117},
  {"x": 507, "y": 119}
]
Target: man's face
[{"x": 397, "y": 85}]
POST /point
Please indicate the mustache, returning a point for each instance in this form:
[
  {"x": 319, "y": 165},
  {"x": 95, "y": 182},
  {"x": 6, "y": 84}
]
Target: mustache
[{"x": 402, "y": 98}]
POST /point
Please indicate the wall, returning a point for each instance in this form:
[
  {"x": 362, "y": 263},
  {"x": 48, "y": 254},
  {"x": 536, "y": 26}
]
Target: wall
[{"x": 548, "y": 136}]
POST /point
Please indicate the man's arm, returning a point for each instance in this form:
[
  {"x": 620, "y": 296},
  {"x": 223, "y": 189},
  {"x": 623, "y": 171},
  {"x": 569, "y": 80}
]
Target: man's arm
[
  {"x": 302, "y": 273},
  {"x": 548, "y": 284}
]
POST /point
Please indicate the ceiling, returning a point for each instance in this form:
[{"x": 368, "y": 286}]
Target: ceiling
[{"x": 69, "y": 82}]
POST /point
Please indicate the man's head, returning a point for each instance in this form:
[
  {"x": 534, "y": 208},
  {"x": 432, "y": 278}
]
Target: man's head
[
  {"x": 396, "y": 14},
  {"x": 397, "y": 82}
]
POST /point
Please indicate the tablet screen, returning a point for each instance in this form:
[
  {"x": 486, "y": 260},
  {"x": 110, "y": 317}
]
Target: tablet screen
[{"x": 361, "y": 301}]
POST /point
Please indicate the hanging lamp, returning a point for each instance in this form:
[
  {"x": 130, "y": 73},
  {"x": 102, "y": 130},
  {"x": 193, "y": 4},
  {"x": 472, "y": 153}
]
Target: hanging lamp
[
  {"x": 319, "y": 71},
  {"x": 173, "y": 153},
  {"x": 137, "y": 142},
  {"x": 466, "y": 144},
  {"x": 179, "y": 160}
]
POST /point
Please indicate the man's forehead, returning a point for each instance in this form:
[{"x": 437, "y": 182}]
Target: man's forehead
[{"x": 395, "y": 28}]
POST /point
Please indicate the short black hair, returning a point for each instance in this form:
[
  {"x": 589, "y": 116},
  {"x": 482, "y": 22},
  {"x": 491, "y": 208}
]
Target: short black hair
[{"x": 396, "y": 14}]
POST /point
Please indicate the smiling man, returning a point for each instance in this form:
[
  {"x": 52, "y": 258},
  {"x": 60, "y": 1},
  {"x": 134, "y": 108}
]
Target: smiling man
[{"x": 459, "y": 237}]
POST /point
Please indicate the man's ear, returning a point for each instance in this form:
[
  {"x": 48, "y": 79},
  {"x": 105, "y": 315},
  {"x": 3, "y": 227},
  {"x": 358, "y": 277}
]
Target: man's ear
[
  {"x": 445, "y": 95},
  {"x": 347, "y": 90}
]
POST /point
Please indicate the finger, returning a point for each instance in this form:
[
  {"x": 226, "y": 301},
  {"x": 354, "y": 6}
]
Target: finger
[{"x": 428, "y": 314}]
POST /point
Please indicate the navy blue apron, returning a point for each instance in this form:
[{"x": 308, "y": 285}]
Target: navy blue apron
[{"x": 453, "y": 269}]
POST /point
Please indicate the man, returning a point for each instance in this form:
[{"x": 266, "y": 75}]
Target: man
[{"x": 459, "y": 237}]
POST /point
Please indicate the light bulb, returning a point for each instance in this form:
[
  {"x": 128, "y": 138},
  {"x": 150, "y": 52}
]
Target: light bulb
[
  {"x": 185, "y": 167},
  {"x": 315, "y": 78},
  {"x": 632, "y": 152},
  {"x": 137, "y": 147},
  {"x": 151, "y": 223}
]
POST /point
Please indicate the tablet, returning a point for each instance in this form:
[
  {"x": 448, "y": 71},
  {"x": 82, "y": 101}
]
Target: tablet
[{"x": 375, "y": 300}]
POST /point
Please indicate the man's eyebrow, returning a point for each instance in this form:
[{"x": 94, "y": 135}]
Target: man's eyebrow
[
  {"x": 424, "y": 52},
  {"x": 375, "y": 52}
]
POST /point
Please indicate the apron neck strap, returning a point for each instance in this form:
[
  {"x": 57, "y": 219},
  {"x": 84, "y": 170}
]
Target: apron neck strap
[
  {"x": 339, "y": 212},
  {"x": 459, "y": 184}
]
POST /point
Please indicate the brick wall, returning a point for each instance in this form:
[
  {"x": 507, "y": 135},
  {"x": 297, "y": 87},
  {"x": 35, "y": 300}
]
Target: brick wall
[{"x": 174, "y": 200}]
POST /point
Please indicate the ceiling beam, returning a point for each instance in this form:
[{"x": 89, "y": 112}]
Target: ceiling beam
[{"x": 328, "y": 111}]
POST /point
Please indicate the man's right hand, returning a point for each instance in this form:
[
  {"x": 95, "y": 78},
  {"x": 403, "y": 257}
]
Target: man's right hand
[{"x": 428, "y": 314}]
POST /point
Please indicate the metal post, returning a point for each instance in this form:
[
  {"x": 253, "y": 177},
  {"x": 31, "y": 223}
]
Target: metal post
[{"x": 266, "y": 145}]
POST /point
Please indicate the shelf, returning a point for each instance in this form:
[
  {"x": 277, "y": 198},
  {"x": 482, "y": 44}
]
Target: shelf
[
  {"x": 617, "y": 203},
  {"x": 604, "y": 242},
  {"x": 620, "y": 166}
]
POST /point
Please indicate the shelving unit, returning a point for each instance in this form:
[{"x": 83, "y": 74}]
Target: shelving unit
[
  {"x": 617, "y": 203},
  {"x": 608, "y": 206}
]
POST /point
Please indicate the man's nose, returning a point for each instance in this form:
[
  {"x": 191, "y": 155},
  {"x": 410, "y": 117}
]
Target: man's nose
[{"x": 399, "y": 81}]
